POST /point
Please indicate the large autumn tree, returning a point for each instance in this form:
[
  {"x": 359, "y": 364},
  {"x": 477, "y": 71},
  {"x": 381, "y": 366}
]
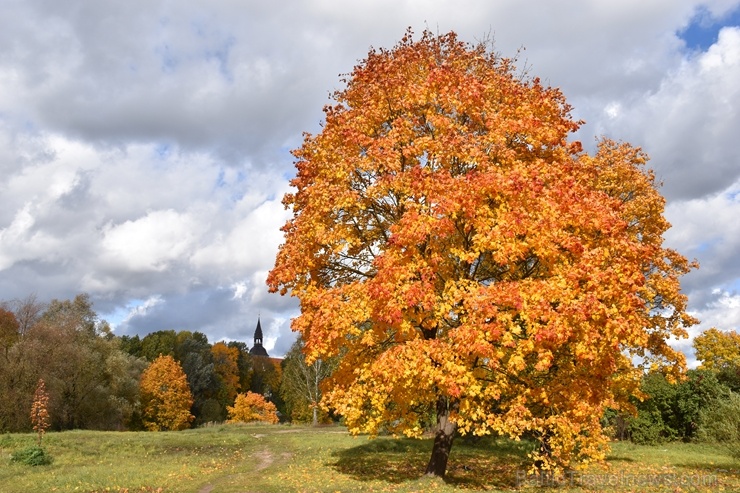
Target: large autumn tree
[{"x": 467, "y": 260}]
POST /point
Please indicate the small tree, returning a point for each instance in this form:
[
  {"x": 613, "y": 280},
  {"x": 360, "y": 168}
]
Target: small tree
[
  {"x": 165, "y": 396},
  {"x": 301, "y": 385},
  {"x": 252, "y": 407},
  {"x": 39, "y": 410}
]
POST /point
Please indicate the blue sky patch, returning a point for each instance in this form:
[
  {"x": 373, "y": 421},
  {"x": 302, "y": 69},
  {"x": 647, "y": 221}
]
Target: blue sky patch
[{"x": 703, "y": 30}]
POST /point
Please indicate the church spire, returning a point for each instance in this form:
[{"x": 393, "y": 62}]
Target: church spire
[
  {"x": 258, "y": 334},
  {"x": 258, "y": 349}
]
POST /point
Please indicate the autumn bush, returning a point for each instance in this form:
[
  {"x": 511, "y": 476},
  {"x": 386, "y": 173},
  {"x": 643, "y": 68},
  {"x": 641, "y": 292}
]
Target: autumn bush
[{"x": 251, "y": 407}]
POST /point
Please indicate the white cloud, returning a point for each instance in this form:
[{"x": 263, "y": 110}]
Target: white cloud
[
  {"x": 13, "y": 237},
  {"x": 141, "y": 308},
  {"x": 143, "y": 148},
  {"x": 708, "y": 229},
  {"x": 688, "y": 123},
  {"x": 250, "y": 243},
  {"x": 239, "y": 289},
  {"x": 723, "y": 313},
  {"x": 149, "y": 243}
]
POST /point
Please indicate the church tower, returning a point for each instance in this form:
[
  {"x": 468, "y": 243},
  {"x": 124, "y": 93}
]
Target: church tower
[{"x": 257, "y": 348}]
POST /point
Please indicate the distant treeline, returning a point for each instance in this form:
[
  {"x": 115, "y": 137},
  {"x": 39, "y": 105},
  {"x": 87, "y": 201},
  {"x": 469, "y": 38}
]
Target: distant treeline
[
  {"x": 704, "y": 406},
  {"x": 92, "y": 376}
]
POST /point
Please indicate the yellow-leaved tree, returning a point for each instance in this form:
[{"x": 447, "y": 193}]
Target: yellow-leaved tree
[
  {"x": 165, "y": 396},
  {"x": 717, "y": 350},
  {"x": 468, "y": 261}
]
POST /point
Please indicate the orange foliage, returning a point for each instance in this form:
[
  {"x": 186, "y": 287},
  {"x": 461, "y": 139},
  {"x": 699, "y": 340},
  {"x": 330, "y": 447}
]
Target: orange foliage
[
  {"x": 165, "y": 396},
  {"x": 251, "y": 407},
  {"x": 225, "y": 361},
  {"x": 39, "y": 410},
  {"x": 465, "y": 257}
]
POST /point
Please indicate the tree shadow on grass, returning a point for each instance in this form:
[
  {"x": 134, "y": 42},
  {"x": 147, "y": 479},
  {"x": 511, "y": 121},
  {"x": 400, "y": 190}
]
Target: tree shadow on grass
[
  {"x": 728, "y": 468},
  {"x": 484, "y": 463},
  {"x": 619, "y": 458},
  {"x": 394, "y": 460}
]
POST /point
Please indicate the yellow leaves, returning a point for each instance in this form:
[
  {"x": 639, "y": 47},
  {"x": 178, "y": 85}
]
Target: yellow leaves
[
  {"x": 718, "y": 350},
  {"x": 544, "y": 360},
  {"x": 166, "y": 396},
  {"x": 584, "y": 351},
  {"x": 252, "y": 407},
  {"x": 516, "y": 362}
]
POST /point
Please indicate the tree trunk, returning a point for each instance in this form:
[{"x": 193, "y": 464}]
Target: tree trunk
[
  {"x": 315, "y": 416},
  {"x": 442, "y": 439}
]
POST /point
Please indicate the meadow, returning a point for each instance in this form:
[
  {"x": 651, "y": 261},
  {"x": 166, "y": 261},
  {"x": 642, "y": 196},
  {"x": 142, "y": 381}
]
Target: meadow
[{"x": 264, "y": 458}]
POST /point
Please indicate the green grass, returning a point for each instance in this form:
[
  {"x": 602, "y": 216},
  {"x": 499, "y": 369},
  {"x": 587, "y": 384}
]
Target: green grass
[{"x": 263, "y": 458}]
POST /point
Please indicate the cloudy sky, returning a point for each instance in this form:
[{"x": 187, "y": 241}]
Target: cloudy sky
[{"x": 144, "y": 144}]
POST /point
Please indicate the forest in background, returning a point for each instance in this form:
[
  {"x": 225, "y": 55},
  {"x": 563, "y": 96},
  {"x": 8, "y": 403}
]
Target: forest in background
[{"x": 93, "y": 378}]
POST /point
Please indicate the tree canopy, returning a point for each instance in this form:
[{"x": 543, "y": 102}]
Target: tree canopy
[
  {"x": 468, "y": 260},
  {"x": 718, "y": 350},
  {"x": 165, "y": 396},
  {"x": 252, "y": 407}
]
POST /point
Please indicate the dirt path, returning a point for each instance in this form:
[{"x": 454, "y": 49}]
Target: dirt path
[{"x": 264, "y": 460}]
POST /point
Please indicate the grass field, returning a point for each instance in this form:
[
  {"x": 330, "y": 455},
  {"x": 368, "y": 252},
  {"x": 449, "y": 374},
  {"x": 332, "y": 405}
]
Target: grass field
[{"x": 264, "y": 458}]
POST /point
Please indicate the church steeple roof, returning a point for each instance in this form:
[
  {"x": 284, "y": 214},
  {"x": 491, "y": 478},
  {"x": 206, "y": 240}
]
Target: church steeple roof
[
  {"x": 258, "y": 333},
  {"x": 258, "y": 349}
]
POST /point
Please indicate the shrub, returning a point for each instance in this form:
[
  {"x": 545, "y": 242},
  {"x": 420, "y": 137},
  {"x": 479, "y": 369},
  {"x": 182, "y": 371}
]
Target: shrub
[
  {"x": 251, "y": 407},
  {"x": 720, "y": 423},
  {"x": 671, "y": 410},
  {"x": 648, "y": 429},
  {"x": 32, "y": 456}
]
